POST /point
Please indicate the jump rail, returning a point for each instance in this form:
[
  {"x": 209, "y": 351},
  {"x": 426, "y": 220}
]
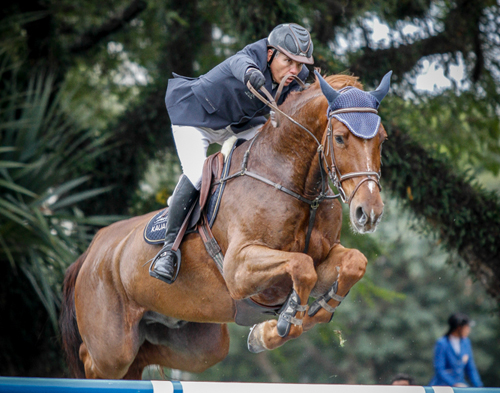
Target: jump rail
[{"x": 50, "y": 385}]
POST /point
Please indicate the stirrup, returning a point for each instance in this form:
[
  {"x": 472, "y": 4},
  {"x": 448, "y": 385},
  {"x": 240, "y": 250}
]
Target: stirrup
[
  {"x": 288, "y": 312},
  {"x": 177, "y": 267},
  {"x": 322, "y": 301}
]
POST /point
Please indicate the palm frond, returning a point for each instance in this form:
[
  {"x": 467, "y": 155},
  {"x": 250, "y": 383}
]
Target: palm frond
[{"x": 41, "y": 150}]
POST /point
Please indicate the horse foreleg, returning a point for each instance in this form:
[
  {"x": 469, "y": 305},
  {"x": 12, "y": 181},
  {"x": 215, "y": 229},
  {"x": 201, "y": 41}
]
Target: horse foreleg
[
  {"x": 254, "y": 269},
  {"x": 342, "y": 269}
]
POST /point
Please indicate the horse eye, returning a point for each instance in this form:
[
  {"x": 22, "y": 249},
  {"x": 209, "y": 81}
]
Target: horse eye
[{"x": 339, "y": 139}]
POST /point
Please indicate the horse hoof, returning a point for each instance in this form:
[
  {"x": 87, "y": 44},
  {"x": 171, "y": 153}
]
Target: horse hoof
[{"x": 254, "y": 342}]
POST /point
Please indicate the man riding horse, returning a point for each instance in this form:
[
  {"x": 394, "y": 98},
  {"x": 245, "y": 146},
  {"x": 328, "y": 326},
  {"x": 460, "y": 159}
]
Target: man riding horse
[{"x": 217, "y": 106}]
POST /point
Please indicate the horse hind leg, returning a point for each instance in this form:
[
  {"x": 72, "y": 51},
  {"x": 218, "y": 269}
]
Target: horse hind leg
[
  {"x": 193, "y": 347},
  {"x": 89, "y": 366}
]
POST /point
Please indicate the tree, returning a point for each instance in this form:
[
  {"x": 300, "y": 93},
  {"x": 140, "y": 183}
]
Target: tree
[
  {"x": 41, "y": 229},
  {"x": 439, "y": 143}
]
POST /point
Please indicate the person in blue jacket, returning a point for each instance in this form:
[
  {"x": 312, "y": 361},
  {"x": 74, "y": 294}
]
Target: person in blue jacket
[
  {"x": 218, "y": 105},
  {"x": 453, "y": 358}
]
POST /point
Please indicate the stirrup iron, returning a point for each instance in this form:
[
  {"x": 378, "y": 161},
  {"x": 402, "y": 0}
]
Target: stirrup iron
[{"x": 177, "y": 267}]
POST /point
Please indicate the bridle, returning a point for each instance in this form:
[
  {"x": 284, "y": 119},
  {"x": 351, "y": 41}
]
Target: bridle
[
  {"x": 333, "y": 171},
  {"x": 331, "y": 168}
]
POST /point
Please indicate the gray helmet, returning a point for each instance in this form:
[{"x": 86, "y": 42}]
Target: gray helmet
[{"x": 292, "y": 40}]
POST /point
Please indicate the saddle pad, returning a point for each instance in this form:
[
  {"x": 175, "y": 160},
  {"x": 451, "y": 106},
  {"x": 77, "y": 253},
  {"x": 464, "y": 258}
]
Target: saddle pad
[{"x": 154, "y": 232}]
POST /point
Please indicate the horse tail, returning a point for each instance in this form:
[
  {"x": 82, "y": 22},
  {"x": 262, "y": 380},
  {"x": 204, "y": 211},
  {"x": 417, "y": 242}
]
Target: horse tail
[{"x": 71, "y": 339}]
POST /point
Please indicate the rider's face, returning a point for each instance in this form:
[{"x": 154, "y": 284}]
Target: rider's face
[{"x": 283, "y": 65}]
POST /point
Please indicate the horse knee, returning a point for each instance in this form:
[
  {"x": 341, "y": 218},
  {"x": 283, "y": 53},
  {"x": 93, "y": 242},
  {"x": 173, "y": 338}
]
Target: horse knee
[
  {"x": 302, "y": 271},
  {"x": 354, "y": 267}
]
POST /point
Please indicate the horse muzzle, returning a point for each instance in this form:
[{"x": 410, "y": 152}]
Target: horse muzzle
[{"x": 365, "y": 211}]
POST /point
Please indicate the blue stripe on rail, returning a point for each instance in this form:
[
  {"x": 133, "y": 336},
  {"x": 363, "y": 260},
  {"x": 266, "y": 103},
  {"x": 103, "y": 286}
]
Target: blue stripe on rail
[{"x": 53, "y": 385}]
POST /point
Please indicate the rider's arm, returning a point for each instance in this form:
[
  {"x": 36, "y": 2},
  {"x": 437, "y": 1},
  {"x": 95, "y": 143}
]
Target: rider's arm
[{"x": 251, "y": 56}]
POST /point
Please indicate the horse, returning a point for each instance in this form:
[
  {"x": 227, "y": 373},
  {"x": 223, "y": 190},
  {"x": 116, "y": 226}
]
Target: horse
[{"x": 280, "y": 248}]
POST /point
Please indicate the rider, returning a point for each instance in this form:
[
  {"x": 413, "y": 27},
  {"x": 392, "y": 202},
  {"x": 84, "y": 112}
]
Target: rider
[{"x": 218, "y": 105}]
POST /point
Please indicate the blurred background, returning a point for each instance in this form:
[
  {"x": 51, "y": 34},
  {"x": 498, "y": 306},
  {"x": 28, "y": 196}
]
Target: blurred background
[{"x": 85, "y": 140}]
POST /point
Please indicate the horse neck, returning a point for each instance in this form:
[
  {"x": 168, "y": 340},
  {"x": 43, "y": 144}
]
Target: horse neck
[{"x": 291, "y": 153}]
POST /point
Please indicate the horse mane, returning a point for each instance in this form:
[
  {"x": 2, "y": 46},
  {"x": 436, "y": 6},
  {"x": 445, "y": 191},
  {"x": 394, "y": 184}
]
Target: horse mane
[
  {"x": 338, "y": 81},
  {"x": 303, "y": 106}
]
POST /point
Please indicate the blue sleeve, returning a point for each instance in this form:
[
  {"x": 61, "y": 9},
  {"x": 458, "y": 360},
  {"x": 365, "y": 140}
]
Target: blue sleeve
[
  {"x": 249, "y": 56},
  {"x": 440, "y": 364},
  {"x": 470, "y": 368}
]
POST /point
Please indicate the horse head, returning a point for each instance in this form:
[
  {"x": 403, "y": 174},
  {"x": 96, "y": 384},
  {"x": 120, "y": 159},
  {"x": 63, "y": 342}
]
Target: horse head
[{"x": 353, "y": 146}]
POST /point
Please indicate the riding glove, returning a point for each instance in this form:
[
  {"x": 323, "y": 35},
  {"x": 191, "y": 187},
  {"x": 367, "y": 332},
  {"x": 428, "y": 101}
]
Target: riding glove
[{"x": 255, "y": 77}]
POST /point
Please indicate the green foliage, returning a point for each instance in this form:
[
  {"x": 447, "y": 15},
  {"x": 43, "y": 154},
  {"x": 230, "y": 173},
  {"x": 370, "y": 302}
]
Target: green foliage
[
  {"x": 463, "y": 126},
  {"x": 41, "y": 230},
  {"x": 41, "y": 150},
  {"x": 448, "y": 202}
]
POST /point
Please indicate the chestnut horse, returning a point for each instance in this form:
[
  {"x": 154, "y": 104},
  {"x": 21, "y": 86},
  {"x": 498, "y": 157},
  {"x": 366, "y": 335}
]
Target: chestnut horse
[{"x": 116, "y": 319}]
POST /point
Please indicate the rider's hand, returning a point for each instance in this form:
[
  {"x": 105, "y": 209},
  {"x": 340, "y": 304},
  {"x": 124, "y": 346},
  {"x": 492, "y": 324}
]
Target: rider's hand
[{"x": 255, "y": 77}]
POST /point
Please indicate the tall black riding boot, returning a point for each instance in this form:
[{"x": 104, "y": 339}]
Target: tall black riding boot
[{"x": 166, "y": 264}]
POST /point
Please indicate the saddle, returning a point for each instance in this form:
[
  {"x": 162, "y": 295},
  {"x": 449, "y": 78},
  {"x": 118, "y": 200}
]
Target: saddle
[{"x": 205, "y": 209}]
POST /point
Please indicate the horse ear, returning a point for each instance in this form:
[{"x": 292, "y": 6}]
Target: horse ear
[
  {"x": 330, "y": 93},
  {"x": 383, "y": 88}
]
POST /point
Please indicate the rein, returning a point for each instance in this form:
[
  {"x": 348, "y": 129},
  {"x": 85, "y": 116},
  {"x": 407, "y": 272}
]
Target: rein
[{"x": 333, "y": 172}]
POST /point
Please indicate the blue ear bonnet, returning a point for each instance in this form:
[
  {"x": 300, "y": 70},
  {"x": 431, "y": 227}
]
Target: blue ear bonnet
[{"x": 362, "y": 124}]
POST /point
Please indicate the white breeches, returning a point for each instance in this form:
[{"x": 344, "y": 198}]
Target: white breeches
[{"x": 192, "y": 145}]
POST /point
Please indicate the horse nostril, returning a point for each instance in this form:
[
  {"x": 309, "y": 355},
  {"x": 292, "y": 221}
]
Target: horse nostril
[{"x": 361, "y": 217}]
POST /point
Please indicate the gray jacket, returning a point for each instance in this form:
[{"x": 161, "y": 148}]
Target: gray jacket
[{"x": 220, "y": 98}]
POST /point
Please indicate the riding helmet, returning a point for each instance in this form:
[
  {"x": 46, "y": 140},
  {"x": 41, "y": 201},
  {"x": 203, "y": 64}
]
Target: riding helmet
[{"x": 292, "y": 40}]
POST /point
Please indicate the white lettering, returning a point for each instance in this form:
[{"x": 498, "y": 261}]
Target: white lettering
[{"x": 157, "y": 228}]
